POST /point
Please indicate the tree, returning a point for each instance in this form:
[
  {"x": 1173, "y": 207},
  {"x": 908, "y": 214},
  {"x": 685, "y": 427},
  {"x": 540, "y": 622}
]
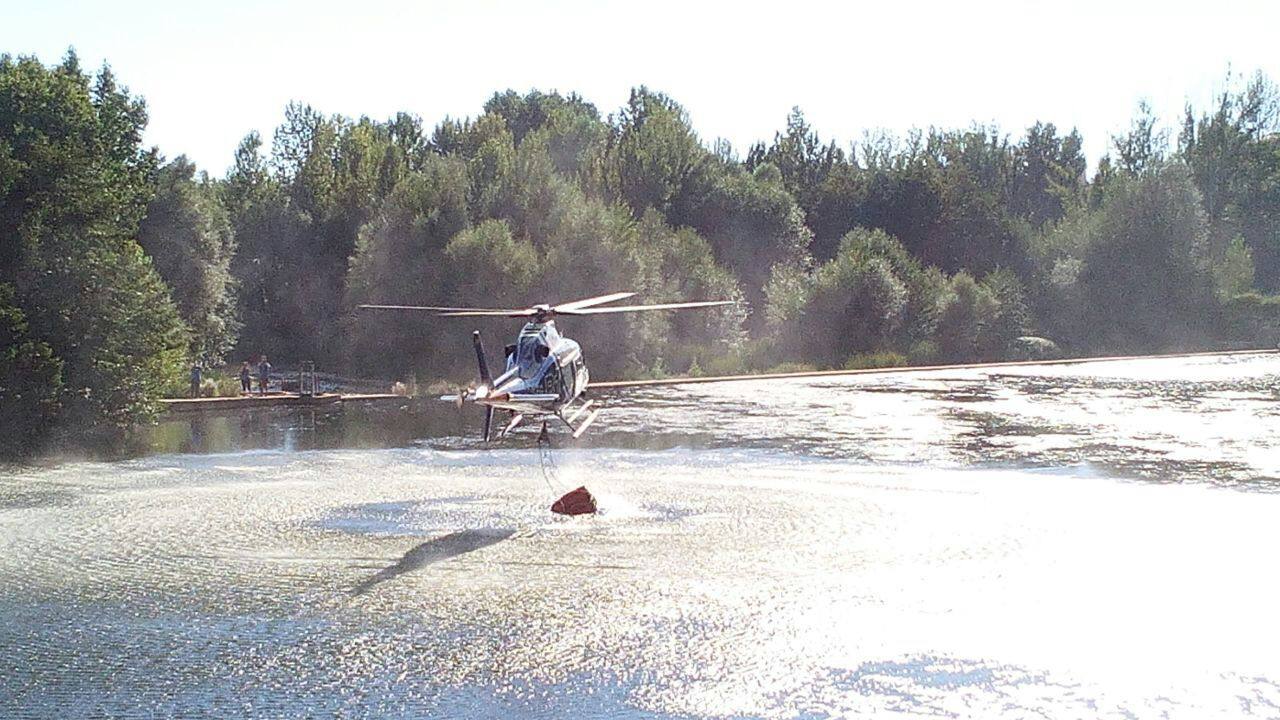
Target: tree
[
  {"x": 1145, "y": 276},
  {"x": 399, "y": 259},
  {"x": 653, "y": 154},
  {"x": 490, "y": 267},
  {"x": 1011, "y": 316},
  {"x": 1233, "y": 273},
  {"x": 964, "y": 313},
  {"x": 752, "y": 223},
  {"x": 1049, "y": 175},
  {"x": 1233, "y": 153},
  {"x": 188, "y": 236},
  {"x": 30, "y": 382},
  {"x": 871, "y": 296},
  {"x": 679, "y": 265},
  {"x": 1142, "y": 149},
  {"x": 79, "y": 182},
  {"x": 801, "y": 157}
]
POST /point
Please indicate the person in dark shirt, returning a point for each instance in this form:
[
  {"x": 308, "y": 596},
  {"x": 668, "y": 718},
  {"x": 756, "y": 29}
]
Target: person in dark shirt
[
  {"x": 246, "y": 378},
  {"x": 195, "y": 380},
  {"x": 264, "y": 375}
]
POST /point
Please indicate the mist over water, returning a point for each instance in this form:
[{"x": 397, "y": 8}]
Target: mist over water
[{"x": 1084, "y": 541}]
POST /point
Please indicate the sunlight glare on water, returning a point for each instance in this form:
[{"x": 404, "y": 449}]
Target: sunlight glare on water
[{"x": 1087, "y": 541}]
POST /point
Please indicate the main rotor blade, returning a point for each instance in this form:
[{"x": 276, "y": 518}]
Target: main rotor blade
[
  {"x": 528, "y": 312},
  {"x": 589, "y": 302},
  {"x": 434, "y": 308},
  {"x": 638, "y": 308}
]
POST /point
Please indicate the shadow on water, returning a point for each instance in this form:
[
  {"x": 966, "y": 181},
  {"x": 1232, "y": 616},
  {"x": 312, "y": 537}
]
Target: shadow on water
[{"x": 436, "y": 550}]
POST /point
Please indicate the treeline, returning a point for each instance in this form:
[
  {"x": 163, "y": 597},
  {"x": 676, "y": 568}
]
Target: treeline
[{"x": 118, "y": 269}]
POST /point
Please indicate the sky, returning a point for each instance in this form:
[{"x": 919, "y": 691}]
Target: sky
[{"x": 212, "y": 72}]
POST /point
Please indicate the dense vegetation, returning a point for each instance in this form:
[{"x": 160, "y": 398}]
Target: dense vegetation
[{"x": 117, "y": 269}]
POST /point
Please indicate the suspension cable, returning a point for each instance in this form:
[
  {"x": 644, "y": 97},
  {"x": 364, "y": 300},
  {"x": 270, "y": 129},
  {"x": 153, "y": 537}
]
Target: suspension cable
[{"x": 548, "y": 463}]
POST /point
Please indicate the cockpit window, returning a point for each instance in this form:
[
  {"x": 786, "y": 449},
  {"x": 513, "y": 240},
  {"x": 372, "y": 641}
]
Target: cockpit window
[{"x": 530, "y": 354}]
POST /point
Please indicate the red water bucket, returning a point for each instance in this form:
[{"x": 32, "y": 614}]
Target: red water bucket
[{"x": 575, "y": 502}]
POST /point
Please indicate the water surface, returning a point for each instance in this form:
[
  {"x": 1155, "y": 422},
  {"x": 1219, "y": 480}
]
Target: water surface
[{"x": 1084, "y": 541}]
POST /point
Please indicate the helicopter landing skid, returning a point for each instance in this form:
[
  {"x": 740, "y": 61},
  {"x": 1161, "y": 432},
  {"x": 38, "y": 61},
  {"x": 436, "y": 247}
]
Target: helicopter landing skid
[{"x": 583, "y": 411}]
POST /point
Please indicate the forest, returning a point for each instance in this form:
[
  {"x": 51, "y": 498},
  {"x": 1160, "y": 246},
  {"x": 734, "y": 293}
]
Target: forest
[{"x": 119, "y": 268}]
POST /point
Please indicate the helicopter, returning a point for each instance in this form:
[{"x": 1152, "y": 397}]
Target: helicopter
[{"x": 544, "y": 374}]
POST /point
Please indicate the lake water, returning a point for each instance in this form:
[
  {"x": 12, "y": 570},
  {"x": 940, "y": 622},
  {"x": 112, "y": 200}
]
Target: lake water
[{"x": 1090, "y": 541}]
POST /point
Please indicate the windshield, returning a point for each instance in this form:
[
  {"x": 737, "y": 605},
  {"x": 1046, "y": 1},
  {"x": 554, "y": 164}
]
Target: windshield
[{"x": 530, "y": 354}]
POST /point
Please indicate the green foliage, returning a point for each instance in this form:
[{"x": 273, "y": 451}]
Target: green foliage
[
  {"x": 1049, "y": 175},
  {"x": 573, "y": 135},
  {"x": 1011, "y": 317},
  {"x": 753, "y": 224},
  {"x": 1143, "y": 148},
  {"x": 1254, "y": 319},
  {"x": 399, "y": 259},
  {"x": 653, "y": 154},
  {"x": 866, "y": 258},
  {"x": 79, "y": 182},
  {"x": 679, "y": 265},
  {"x": 963, "y": 334},
  {"x": 872, "y": 295},
  {"x": 489, "y": 266},
  {"x": 188, "y": 236},
  {"x": 1145, "y": 283},
  {"x": 790, "y": 367},
  {"x": 222, "y": 382},
  {"x": 1233, "y": 153},
  {"x": 30, "y": 381},
  {"x": 878, "y": 359},
  {"x": 800, "y": 157},
  {"x": 1233, "y": 272}
]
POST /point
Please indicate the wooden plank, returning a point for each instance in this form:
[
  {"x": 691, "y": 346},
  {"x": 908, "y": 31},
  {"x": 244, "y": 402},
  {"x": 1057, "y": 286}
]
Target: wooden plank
[{"x": 218, "y": 404}]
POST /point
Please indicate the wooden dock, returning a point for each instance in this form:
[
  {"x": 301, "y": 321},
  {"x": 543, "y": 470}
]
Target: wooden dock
[{"x": 274, "y": 399}]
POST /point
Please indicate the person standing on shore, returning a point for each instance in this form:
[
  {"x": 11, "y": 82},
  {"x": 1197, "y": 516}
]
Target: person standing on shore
[
  {"x": 246, "y": 378},
  {"x": 195, "y": 379},
  {"x": 264, "y": 375}
]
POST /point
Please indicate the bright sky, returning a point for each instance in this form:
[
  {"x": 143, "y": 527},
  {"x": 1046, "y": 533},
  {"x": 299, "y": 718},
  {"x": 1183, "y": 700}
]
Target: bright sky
[{"x": 213, "y": 71}]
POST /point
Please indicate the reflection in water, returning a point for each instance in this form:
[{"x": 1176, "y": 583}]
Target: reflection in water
[{"x": 948, "y": 544}]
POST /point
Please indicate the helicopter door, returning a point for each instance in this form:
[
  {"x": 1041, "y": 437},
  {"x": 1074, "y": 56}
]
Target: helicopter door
[
  {"x": 552, "y": 381},
  {"x": 577, "y": 377}
]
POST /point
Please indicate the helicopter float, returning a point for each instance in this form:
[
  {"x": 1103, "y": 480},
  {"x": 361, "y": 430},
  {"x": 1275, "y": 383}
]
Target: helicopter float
[{"x": 544, "y": 374}]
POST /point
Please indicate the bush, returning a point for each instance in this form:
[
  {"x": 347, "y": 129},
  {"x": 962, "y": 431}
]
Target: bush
[
  {"x": 924, "y": 352},
  {"x": 878, "y": 359},
  {"x": 790, "y": 367},
  {"x": 1253, "y": 319},
  {"x": 730, "y": 363},
  {"x": 965, "y": 313}
]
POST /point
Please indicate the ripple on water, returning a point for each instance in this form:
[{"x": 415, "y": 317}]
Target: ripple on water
[{"x": 937, "y": 545}]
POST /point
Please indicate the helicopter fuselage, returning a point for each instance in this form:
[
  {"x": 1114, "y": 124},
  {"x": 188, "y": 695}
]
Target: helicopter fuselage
[{"x": 544, "y": 373}]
